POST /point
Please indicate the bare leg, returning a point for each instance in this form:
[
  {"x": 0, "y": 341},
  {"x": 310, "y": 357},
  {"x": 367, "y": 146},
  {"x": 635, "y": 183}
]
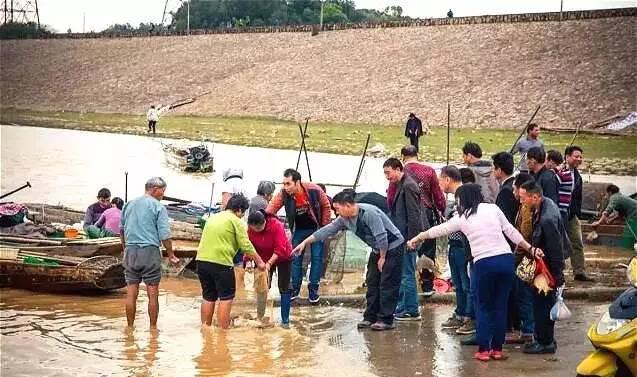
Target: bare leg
[
  {"x": 153, "y": 304},
  {"x": 223, "y": 314},
  {"x": 207, "y": 311},
  {"x": 132, "y": 290}
]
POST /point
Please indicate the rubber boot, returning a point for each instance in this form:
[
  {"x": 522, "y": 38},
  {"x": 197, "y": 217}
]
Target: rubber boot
[
  {"x": 261, "y": 301},
  {"x": 285, "y": 310}
]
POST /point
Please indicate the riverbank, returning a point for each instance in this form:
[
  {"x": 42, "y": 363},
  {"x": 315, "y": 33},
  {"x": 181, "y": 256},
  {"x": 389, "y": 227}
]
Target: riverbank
[{"x": 604, "y": 154}]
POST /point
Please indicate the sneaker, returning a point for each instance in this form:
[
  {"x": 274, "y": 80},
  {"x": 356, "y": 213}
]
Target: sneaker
[
  {"x": 482, "y": 356},
  {"x": 583, "y": 277},
  {"x": 314, "y": 296},
  {"x": 294, "y": 294},
  {"x": 527, "y": 338},
  {"x": 285, "y": 326},
  {"x": 469, "y": 340},
  {"x": 468, "y": 327},
  {"x": 536, "y": 348},
  {"x": 513, "y": 338},
  {"x": 498, "y": 355},
  {"x": 407, "y": 317},
  {"x": 364, "y": 324},
  {"x": 382, "y": 326},
  {"x": 452, "y": 323}
]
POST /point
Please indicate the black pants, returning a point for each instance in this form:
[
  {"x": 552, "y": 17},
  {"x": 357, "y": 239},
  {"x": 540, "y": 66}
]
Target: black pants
[
  {"x": 413, "y": 140},
  {"x": 151, "y": 125},
  {"x": 383, "y": 286},
  {"x": 283, "y": 272},
  {"x": 544, "y": 327},
  {"x": 428, "y": 249}
]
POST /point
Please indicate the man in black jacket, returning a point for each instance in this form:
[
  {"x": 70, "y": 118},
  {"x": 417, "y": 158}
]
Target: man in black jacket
[
  {"x": 413, "y": 130},
  {"x": 545, "y": 178},
  {"x": 548, "y": 235},
  {"x": 573, "y": 156},
  {"x": 406, "y": 212},
  {"x": 503, "y": 171}
]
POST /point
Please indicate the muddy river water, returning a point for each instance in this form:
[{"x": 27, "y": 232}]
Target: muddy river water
[
  {"x": 56, "y": 335},
  {"x": 47, "y": 335}
]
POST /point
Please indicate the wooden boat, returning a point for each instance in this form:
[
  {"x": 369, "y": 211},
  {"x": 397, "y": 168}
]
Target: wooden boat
[
  {"x": 46, "y": 214},
  {"x": 63, "y": 247},
  {"x": 41, "y": 272}
]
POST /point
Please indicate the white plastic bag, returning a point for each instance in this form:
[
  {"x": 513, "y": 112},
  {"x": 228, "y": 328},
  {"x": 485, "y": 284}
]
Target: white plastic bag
[{"x": 560, "y": 311}]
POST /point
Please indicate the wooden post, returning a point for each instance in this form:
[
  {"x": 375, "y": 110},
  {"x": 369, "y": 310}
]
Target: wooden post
[
  {"x": 524, "y": 129},
  {"x": 448, "y": 130},
  {"x": 362, "y": 163}
]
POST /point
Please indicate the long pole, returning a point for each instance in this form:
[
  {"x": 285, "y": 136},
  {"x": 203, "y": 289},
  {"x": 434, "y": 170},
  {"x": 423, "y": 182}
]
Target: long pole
[
  {"x": 212, "y": 191},
  {"x": 163, "y": 15},
  {"x": 321, "y": 28},
  {"x": 362, "y": 163},
  {"x": 84, "y": 22},
  {"x": 524, "y": 129},
  {"x": 125, "y": 186},
  {"x": 37, "y": 13},
  {"x": 448, "y": 130},
  {"x": 576, "y": 132},
  {"x": 188, "y": 19},
  {"x": 307, "y": 159},
  {"x": 304, "y": 132},
  {"x": 16, "y": 190}
]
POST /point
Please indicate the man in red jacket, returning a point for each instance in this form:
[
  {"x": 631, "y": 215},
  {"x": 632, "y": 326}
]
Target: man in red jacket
[{"x": 307, "y": 208}]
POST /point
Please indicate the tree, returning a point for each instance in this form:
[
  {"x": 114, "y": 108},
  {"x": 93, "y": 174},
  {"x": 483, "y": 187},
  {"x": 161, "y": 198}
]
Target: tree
[
  {"x": 333, "y": 14},
  {"x": 450, "y": 14},
  {"x": 394, "y": 11},
  {"x": 17, "y": 30}
]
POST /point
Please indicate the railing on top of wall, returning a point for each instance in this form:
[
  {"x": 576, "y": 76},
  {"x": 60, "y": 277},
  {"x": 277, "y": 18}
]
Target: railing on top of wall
[{"x": 504, "y": 18}]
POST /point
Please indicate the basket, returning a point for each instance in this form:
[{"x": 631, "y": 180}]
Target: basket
[{"x": 8, "y": 253}]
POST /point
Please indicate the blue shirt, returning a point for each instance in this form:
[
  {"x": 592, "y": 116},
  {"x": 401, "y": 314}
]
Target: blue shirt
[{"x": 145, "y": 222}]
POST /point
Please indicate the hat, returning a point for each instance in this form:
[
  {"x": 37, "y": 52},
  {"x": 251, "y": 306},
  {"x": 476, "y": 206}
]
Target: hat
[{"x": 232, "y": 172}]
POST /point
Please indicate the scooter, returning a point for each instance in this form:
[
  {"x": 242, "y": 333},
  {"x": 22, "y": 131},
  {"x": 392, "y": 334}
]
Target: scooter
[{"x": 614, "y": 336}]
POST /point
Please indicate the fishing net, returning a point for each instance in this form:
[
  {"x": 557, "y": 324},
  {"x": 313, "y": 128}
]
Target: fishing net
[
  {"x": 345, "y": 252},
  {"x": 260, "y": 281},
  {"x": 100, "y": 261}
]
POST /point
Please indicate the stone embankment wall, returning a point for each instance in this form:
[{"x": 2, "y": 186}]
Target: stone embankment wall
[{"x": 494, "y": 70}]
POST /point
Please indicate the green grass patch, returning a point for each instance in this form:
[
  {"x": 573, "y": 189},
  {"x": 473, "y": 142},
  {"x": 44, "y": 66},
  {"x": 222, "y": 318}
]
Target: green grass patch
[{"x": 605, "y": 154}]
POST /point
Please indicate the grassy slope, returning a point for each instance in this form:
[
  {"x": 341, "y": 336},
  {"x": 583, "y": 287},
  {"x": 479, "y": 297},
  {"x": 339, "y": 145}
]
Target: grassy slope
[{"x": 608, "y": 154}]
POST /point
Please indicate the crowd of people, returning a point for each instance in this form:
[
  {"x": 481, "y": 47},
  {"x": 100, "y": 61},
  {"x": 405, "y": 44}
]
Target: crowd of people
[{"x": 495, "y": 220}]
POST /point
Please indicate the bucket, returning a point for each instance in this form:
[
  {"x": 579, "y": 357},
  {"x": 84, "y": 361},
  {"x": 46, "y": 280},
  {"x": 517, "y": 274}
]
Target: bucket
[{"x": 71, "y": 233}]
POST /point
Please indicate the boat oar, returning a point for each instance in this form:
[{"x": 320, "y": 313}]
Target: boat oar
[
  {"x": 16, "y": 190},
  {"x": 524, "y": 129}
]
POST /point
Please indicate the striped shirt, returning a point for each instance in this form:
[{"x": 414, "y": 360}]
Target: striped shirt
[{"x": 566, "y": 185}]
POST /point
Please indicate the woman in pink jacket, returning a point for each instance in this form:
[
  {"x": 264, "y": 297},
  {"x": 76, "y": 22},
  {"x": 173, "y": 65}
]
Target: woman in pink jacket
[{"x": 267, "y": 234}]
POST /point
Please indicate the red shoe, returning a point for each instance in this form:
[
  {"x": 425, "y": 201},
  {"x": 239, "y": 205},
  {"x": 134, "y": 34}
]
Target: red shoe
[
  {"x": 498, "y": 355},
  {"x": 482, "y": 356}
]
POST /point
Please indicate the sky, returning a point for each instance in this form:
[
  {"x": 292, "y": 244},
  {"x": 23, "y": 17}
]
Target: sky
[{"x": 96, "y": 15}]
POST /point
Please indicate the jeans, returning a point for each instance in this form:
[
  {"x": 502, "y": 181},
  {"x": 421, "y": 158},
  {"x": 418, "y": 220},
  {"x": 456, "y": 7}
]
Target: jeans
[
  {"x": 493, "y": 278},
  {"x": 316, "y": 261},
  {"x": 544, "y": 327},
  {"x": 460, "y": 279},
  {"x": 408, "y": 296},
  {"x": 521, "y": 308},
  {"x": 383, "y": 286}
]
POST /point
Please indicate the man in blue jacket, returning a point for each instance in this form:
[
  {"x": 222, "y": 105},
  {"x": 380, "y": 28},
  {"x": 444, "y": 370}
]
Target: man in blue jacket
[{"x": 413, "y": 130}]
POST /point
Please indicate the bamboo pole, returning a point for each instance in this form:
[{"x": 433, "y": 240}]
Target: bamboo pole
[
  {"x": 576, "y": 133},
  {"x": 303, "y": 132},
  {"x": 524, "y": 129},
  {"x": 362, "y": 163}
]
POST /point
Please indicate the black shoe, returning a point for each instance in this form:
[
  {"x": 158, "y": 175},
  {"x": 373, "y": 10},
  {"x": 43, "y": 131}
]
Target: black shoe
[
  {"x": 364, "y": 324},
  {"x": 539, "y": 349},
  {"x": 382, "y": 326},
  {"x": 470, "y": 340},
  {"x": 583, "y": 277}
]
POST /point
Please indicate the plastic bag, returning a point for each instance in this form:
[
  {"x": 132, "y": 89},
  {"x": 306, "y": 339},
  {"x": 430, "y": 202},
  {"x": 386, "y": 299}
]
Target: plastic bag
[{"x": 560, "y": 311}]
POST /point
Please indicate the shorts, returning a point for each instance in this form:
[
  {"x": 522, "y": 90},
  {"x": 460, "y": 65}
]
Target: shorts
[
  {"x": 217, "y": 281},
  {"x": 142, "y": 264}
]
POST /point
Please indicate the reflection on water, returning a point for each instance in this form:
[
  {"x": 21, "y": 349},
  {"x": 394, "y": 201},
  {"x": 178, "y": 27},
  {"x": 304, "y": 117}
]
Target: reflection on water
[{"x": 49, "y": 335}]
